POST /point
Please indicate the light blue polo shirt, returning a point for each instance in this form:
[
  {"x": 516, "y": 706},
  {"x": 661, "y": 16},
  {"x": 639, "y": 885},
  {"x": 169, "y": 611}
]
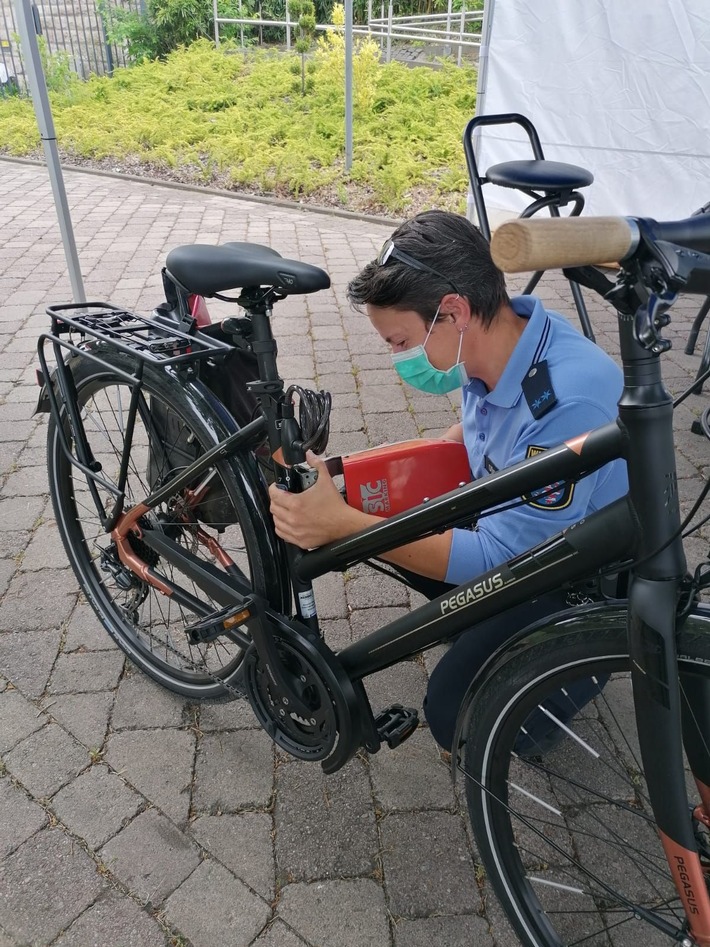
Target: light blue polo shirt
[{"x": 499, "y": 430}]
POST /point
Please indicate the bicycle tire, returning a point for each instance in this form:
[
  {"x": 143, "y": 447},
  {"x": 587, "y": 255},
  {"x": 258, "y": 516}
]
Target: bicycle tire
[
  {"x": 567, "y": 839},
  {"x": 147, "y": 626}
]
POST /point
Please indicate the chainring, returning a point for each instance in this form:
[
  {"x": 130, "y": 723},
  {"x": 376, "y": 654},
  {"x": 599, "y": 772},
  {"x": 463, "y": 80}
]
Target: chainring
[{"x": 331, "y": 728}]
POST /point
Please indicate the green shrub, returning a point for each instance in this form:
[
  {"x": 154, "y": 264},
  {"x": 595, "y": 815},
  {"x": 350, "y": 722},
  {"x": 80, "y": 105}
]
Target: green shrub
[
  {"x": 164, "y": 25},
  {"x": 58, "y": 72},
  {"x": 306, "y": 26},
  {"x": 232, "y": 118}
]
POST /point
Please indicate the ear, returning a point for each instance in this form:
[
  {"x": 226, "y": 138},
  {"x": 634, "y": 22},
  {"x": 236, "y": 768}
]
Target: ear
[{"x": 458, "y": 308}]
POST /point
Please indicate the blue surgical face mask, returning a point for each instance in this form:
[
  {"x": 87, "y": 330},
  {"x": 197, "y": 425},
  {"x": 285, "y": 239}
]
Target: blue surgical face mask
[{"x": 414, "y": 367}]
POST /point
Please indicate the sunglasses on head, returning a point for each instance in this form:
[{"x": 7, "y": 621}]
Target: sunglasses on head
[{"x": 390, "y": 252}]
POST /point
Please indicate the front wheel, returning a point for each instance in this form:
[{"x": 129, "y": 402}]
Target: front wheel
[
  {"x": 220, "y": 511},
  {"x": 556, "y": 791}
]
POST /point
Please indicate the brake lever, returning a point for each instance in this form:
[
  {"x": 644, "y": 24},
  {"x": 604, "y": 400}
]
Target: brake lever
[
  {"x": 669, "y": 269},
  {"x": 651, "y": 318}
]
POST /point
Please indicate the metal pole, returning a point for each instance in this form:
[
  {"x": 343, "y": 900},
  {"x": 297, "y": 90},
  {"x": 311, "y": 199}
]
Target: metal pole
[
  {"x": 101, "y": 48},
  {"x": 241, "y": 28},
  {"x": 388, "y": 55},
  {"x": 288, "y": 28},
  {"x": 461, "y": 29},
  {"x": 107, "y": 45},
  {"x": 75, "y": 52},
  {"x": 483, "y": 54},
  {"x": 43, "y": 112},
  {"x": 382, "y": 20},
  {"x": 215, "y": 16},
  {"x": 369, "y": 15},
  {"x": 85, "y": 62},
  {"x": 348, "y": 84},
  {"x": 447, "y": 48}
]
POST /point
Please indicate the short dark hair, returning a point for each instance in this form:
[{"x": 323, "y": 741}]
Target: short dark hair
[{"x": 445, "y": 242}]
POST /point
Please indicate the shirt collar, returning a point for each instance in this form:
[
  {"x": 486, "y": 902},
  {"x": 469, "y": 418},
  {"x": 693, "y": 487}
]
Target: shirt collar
[{"x": 531, "y": 348}]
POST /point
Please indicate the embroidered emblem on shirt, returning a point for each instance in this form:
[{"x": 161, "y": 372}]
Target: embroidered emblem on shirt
[
  {"x": 538, "y": 390},
  {"x": 557, "y": 496}
]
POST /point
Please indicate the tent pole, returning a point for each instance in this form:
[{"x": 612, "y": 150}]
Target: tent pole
[
  {"x": 43, "y": 112},
  {"x": 348, "y": 85},
  {"x": 486, "y": 29}
]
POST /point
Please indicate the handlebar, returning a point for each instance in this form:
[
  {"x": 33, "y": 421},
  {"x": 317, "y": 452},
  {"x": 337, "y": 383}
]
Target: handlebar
[
  {"x": 521, "y": 245},
  {"x": 528, "y": 245}
]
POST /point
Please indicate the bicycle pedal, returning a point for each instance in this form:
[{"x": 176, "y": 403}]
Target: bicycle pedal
[
  {"x": 395, "y": 724},
  {"x": 218, "y": 623}
]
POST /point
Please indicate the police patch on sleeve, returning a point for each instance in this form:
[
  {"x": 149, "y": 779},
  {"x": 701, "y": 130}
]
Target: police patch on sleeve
[{"x": 557, "y": 496}]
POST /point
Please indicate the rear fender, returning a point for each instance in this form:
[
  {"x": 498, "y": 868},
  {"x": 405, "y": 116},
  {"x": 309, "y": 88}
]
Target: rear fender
[{"x": 254, "y": 491}]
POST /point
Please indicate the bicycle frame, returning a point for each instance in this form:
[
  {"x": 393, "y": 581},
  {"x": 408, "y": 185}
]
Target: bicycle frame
[
  {"x": 644, "y": 529},
  {"x": 604, "y": 537}
]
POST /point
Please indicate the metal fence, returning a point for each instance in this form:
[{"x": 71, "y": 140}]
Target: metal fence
[
  {"x": 460, "y": 29},
  {"x": 80, "y": 30},
  {"x": 77, "y": 28}
]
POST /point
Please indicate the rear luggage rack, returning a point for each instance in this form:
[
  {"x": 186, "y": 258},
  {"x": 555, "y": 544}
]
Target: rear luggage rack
[
  {"x": 152, "y": 340},
  {"x": 155, "y": 341}
]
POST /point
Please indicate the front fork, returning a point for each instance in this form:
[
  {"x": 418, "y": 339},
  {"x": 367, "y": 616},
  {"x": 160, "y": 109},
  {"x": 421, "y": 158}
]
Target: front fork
[
  {"x": 672, "y": 707},
  {"x": 667, "y": 707}
]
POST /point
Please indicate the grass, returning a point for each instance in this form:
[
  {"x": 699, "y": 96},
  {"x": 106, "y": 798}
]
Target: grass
[{"x": 238, "y": 120}]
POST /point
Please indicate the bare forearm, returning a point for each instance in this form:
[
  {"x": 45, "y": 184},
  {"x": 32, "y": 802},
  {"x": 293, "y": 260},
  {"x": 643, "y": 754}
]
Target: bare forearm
[
  {"x": 429, "y": 557},
  {"x": 321, "y": 515},
  {"x": 454, "y": 433}
]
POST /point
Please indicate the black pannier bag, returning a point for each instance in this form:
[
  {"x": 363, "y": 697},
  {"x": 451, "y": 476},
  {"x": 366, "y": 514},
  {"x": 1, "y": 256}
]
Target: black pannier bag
[{"x": 175, "y": 449}]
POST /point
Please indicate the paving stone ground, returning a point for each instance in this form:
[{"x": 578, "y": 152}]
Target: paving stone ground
[{"x": 129, "y": 817}]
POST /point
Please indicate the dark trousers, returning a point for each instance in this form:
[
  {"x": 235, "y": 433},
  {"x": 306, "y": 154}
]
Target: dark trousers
[{"x": 471, "y": 649}]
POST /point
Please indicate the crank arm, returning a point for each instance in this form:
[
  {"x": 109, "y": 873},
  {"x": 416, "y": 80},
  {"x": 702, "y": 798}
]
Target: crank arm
[{"x": 178, "y": 594}]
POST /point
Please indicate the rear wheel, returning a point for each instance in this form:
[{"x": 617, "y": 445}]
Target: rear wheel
[
  {"x": 559, "y": 804},
  {"x": 172, "y": 428}
]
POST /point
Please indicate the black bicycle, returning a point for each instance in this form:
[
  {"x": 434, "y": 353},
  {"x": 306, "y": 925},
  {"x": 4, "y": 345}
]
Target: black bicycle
[{"x": 160, "y": 498}]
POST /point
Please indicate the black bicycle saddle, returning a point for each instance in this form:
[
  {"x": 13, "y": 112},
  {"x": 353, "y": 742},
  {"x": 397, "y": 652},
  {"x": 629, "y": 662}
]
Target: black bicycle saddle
[
  {"x": 539, "y": 175},
  {"x": 207, "y": 270}
]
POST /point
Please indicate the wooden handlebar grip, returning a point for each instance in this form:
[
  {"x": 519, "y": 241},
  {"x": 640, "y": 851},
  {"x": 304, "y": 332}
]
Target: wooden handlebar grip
[{"x": 520, "y": 246}]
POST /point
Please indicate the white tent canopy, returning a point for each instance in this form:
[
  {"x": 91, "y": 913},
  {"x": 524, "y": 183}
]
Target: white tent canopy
[{"x": 619, "y": 87}]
